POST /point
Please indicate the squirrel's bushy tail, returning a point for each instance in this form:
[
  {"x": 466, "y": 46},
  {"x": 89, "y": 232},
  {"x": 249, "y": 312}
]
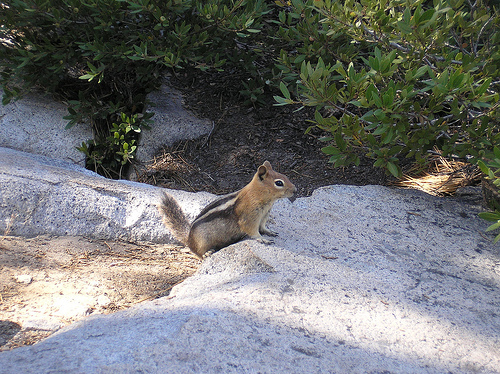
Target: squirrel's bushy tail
[{"x": 174, "y": 218}]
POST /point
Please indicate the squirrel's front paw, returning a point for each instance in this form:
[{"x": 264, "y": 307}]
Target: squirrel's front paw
[
  {"x": 264, "y": 241},
  {"x": 266, "y": 231}
]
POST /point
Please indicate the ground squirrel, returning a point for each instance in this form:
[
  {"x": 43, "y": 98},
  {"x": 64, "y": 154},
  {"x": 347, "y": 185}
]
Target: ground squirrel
[{"x": 230, "y": 218}]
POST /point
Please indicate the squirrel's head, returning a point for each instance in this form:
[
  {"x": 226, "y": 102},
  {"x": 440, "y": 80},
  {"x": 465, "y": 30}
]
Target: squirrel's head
[{"x": 279, "y": 185}]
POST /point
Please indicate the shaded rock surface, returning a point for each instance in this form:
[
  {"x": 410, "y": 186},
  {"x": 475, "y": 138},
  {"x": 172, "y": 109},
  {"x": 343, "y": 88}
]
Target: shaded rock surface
[
  {"x": 171, "y": 123},
  {"x": 35, "y": 124}
]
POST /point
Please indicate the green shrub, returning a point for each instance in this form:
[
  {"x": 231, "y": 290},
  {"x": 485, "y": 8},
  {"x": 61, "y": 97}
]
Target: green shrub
[
  {"x": 122, "y": 42},
  {"x": 389, "y": 78},
  {"x": 111, "y": 155},
  {"x": 392, "y": 79},
  {"x": 104, "y": 56}
]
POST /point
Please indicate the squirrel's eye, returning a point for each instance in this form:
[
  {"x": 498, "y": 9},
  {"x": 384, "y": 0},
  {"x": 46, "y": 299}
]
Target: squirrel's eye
[{"x": 279, "y": 183}]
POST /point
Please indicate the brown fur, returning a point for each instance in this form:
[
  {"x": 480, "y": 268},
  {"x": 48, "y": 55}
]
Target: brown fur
[{"x": 232, "y": 217}]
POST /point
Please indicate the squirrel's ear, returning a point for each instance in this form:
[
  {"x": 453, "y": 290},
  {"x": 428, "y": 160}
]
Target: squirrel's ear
[
  {"x": 262, "y": 171},
  {"x": 267, "y": 164}
]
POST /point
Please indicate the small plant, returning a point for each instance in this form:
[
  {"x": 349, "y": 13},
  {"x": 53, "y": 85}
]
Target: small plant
[
  {"x": 252, "y": 93},
  {"x": 491, "y": 170},
  {"x": 115, "y": 152}
]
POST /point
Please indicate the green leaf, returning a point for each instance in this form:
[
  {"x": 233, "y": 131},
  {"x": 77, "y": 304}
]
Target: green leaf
[
  {"x": 490, "y": 216},
  {"x": 483, "y": 167},
  {"x": 377, "y": 100},
  {"x": 92, "y": 68},
  {"x": 284, "y": 90},
  {"x": 381, "y": 130},
  {"x": 394, "y": 169},
  {"x": 370, "y": 91},
  {"x": 388, "y": 97},
  {"x": 282, "y": 17},
  {"x": 493, "y": 227},
  {"x": 421, "y": 71},
  {"x": 339, "y": 140},
  {"x": 330, "y": 150},
  {"x": 429, "y": 17},
  {"x": 6, "y": 100},
  {"x": 497, "y": 238},
  {"x": 340, "y": 69},
  {"x": 388, "y": 137},
  {"x": 299, "y": 59},
  {"x": 379, "y": 114},
  {"x": 404, "y": 27},
  {"x": 135, "y": 58},
  {"x": 484, "y": 86},
  {"x": 282, "y": 101}
]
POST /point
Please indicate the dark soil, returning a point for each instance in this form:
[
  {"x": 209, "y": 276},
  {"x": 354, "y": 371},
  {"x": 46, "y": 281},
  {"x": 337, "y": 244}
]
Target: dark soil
[{"x": 243, "y": 137}]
